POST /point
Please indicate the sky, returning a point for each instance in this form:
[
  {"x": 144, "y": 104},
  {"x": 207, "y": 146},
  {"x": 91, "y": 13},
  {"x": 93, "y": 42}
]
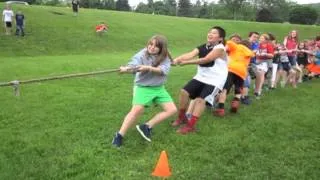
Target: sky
[{"x": 136, "y": 2}]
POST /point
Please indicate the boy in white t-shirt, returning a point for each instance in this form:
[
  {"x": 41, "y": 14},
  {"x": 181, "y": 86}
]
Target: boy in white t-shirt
[{"x": 7, "y": 17}]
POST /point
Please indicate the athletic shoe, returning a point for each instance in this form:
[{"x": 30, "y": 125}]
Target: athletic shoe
[
  {"x": 235, "y": 106},
  {"x": 257, "y": 95},
  {"x": 179, "y": 122},
  {"x": 245, "y": 100},
  {"x": 144, "y": 131},
  {"x": 186, "y": 129},
  {"x": 218, "y": 112},
  {"x": 117, "y": 140}
]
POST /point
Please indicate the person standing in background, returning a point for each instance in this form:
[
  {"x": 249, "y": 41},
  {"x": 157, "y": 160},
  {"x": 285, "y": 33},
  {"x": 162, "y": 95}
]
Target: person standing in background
[
  {"x": 75, "y": 6},
  {"x": 20, "y": 24},
  {"x": 7, "y": 15}
]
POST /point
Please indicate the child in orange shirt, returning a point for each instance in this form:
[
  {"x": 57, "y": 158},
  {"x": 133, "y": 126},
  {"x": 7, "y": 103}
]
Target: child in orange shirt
[{"x": 239, "y": 59}]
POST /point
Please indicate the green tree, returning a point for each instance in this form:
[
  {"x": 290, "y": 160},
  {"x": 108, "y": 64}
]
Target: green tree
[
  {"x": 264, "y": 15},
  {"x": 122, "y": 5},
  {"x": 234, "y": 6},
  {"x": 143, "y": 8},
  {"x": 171, "y": 5},
  {"x": 160, "y": 8},
  {"x": 184, "y": 8},
  {"x": 204, "y": 11},
  {"x": 109, "y": 4},
  {"x": 196, "y": 9},
  {"x": 303, "y": 15}
]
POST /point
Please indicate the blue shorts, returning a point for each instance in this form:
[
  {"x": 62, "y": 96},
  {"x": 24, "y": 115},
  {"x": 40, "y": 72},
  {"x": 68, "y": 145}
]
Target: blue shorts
[
  {"x": 292, "y": 60},
  {"x": 247, "y": 82}
]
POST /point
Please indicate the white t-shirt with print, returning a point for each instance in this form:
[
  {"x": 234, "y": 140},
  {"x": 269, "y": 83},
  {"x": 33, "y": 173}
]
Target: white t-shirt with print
[
  {"x": 215, "y": 75},
  {"x": 8, "y": 14}
]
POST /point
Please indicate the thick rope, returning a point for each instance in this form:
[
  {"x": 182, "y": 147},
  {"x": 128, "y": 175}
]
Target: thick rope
[{"x": 16, "y": 82}]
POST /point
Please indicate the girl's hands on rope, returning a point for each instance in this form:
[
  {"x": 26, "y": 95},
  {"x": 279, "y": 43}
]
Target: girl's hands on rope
[
  {"x": 144, "y": 68},
  {"x": 140, "y": 68},
  {"x": 179, "y": 62}
]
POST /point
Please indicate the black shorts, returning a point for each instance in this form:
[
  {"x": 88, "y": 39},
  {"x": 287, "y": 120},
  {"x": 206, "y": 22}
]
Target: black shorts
[
  {"x": 302, "y": 61},
  {"x": 197, "y": 89},
  {"x": 75, "y": 8},
  {"x": 8, "y": 24},
  {"x": 286, "y": 66},
  {"x": 235, "y": 80}
]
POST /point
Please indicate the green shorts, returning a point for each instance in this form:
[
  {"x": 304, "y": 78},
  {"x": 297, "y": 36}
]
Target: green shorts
[{"x": 147, "y": 95}]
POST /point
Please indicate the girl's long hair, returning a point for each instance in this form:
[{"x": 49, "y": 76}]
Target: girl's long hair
[
  {"x": 290, "y": 36},
  {"x": 162, "y": 44}
]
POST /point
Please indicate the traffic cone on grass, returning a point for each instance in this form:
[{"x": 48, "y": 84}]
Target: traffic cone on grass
[{"x": 162, "y": 168}]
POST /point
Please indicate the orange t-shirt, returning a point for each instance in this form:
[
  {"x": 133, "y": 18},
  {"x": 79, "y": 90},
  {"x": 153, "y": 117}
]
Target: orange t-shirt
[{"x": 239, "y": 59}]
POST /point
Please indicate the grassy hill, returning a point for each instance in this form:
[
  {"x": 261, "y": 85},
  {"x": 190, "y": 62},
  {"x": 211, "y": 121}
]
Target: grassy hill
[
  {"x": 63, "y": 129},
  {"x": 54, "y": 31}
]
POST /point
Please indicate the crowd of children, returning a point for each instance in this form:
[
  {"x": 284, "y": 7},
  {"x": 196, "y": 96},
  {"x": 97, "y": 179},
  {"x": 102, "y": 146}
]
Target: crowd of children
[{"x": 221, "y": 65}]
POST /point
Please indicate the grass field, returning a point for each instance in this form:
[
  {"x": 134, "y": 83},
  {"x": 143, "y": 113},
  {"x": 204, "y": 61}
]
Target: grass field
[{"x": 63, "y": 129}]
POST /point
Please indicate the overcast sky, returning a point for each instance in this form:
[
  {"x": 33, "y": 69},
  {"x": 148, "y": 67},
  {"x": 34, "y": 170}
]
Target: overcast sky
[{"x": 136, "y": 2}]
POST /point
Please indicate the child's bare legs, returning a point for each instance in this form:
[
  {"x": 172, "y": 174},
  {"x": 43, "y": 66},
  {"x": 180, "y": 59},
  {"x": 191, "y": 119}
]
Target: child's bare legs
[
  {"x": 301, "y": 73},
  {"x": 190, "y": 109},
  {"x": 259, "y": 82},
  {"x": 283, "y": 78},
  {"x": 274, "y": 75},
  {"x": 199, "y": 107},
  {"x": 292, "y": 78},
  {"x": 183, "y": 105},
  {"x": 278, "y": 77},
  {"x": 128, "y": 121},
  {"x": 168, "y": 110},
  {"x": 131, "y": 118}
]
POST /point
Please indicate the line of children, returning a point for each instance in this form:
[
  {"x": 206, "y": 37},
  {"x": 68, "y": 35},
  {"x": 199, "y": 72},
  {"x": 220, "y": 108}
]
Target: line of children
[{"x": 152, "y": 65}]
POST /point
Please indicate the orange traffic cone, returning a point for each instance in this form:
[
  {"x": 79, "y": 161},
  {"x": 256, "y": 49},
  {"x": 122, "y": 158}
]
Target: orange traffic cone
[{"x": 162, "y": 168}]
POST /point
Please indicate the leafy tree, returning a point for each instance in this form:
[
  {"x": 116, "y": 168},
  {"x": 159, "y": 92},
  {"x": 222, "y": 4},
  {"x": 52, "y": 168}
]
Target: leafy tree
[
  {"x": 122, "y": 5},
  {"x": 234, "y": 6},
  {"x": 196, "y": 9},
  {"x": 303, "y": 15},
  {"x": 143, "y": 8},
  {"x": 264, "y": 15},
  {"x": 204, "y": 11},
  {"x": 109, "y": 4},
  {"x": 171, "y": 5},
  {"x": 160, "y": 8},
  {"x": 184, "y": 8}
]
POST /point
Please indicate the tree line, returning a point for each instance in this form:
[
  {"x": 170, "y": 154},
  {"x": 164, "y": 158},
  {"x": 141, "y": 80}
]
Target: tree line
[{"x": 246, "y": 10}]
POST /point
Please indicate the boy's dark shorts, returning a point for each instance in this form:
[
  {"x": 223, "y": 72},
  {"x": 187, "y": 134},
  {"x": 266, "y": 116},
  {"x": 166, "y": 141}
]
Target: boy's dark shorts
[
  {"x": 8, "y": 24},
  {"x": 197, "y": 89}
]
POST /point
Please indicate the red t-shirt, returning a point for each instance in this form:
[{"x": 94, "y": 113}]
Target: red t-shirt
[
  {"x": 291, "y": 44},
  {"x": 265, "y": 47}
]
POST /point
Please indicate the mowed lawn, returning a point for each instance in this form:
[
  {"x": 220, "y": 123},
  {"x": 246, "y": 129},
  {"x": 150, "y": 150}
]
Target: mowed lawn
[{"x": 63, "y": 129}]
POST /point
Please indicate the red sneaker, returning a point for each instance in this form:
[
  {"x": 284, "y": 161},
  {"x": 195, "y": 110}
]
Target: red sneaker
[
  {"x": 235, "y": 106},
  {"x": 186, "y": 129},
  {"x": 179, "y": 122},
  {"x": 218, "y": 112}
]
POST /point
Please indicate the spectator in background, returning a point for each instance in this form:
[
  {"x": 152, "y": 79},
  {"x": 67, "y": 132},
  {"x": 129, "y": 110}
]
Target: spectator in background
[
  {"x": 20, "y": 24},
  {"x": 75, "y": 6},
  {"x": 7, "y": 16}
]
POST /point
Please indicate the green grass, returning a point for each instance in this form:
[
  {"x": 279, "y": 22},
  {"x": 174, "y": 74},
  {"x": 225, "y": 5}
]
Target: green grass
[{"x": 63, "y": 129}]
